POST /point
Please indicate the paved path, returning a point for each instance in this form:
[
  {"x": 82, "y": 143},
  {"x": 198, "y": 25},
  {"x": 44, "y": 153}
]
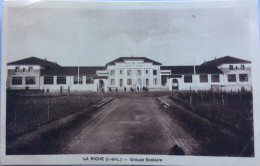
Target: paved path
[{"x": 130, "y": 125}]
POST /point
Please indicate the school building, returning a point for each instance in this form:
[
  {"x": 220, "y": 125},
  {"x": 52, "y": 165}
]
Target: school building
[{"x": 226, "y": 74}]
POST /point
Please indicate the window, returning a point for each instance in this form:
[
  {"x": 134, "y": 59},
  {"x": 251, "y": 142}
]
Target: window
[
  {"x": 187, "y": 78},
  {"x": 147, "y": 82},
  {"x": 146, "y": 71},
  {"x": 164, "y": 80},
  {"x": 76, "y": 80},
  {"x": 129, "y": 72},
  {"x": 129, "y": 82},
  {"x": 30, "y": 69},
  {"x": 112, "y": 81},
  {"x": 30, "y": 80},
  {"x": 243, "y": 78},
  {"x": 89, "y": 80},
  {"x": 215, "y": 78},
  {"x": 23, "y": 69},
  {"x": 242, "y": 67},
  {"x": 231, "y": 78},
  {"x": 17, "y": 69},
  {"x": 121, "y": 71},
  {"x": 48, "y": 80},
  {"x": 139, "y": 82},
  {"x": 155, "y": 81},
  {"x": 121, "y": 82},
  {"x": 112, "y": 72},
  {"x": 61, "y": 80},
  {"x": 154, "y": 72},
  {"x": 139, "y": 72},
  {"x": 230, "y": 67},
  {"x": 203, "y": 78},
  {"x": 17, "y": 81}
]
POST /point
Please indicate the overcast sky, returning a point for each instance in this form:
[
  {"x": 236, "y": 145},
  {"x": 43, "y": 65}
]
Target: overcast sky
[{"x": 171, "y": 37}]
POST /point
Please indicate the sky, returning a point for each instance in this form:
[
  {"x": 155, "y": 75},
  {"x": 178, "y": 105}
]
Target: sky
[{"x": 83, "y": 37}]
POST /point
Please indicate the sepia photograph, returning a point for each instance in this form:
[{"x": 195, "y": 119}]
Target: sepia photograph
[{"x": 152, "y": 80}]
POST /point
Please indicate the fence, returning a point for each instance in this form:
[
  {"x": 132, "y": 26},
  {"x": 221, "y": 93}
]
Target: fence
[
  {"x": 233, "y": 110},
  {"x": 26, "y": 112}
]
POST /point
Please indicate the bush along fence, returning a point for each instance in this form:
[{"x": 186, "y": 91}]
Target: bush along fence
[
  {"x": 25, "y": 113},
  {"x": 234, "y": 110}
]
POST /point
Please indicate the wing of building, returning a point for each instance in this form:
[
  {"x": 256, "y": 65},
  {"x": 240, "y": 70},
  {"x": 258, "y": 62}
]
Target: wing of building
[{"x": 124, "y": 73}]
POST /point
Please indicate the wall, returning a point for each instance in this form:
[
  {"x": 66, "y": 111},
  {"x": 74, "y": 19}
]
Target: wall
[
  {"x": 195, "y": 84},
  {"x": 235, "y": 86},
  {"x": 69, "y": 85},
  {"x": 134, "y": 66},
  {"x": 34, "y": 73}
]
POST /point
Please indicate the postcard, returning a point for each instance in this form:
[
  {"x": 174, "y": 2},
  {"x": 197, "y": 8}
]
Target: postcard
[{"x": 130, "y": 83}]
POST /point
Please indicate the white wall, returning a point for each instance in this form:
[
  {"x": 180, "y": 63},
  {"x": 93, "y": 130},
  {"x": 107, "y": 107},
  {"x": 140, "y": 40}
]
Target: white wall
[
  {"x": 34, "y": 73},
  {"x": 235, "y": 86},
  {"x": 69, "y": 84},
  {"x": 195, "y": 84},
  {"x": 134, "y": 66}
]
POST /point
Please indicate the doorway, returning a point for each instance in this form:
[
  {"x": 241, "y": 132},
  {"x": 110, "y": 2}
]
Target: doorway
[
  {"x": 101, "y": 84},
  {"x": 175, "y": 84},
  {"x": 121, "y": 82}
]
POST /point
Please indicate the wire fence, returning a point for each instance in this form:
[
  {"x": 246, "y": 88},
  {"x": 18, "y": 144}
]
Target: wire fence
[
  {"x": 27, "y": 112},
  {"x": 234, "y": 110}
]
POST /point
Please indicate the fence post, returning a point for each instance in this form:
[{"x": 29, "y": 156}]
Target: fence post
[
  {"x": 226, "y": 97},
  {"x": 48, "y": 110},
  {"x": 222, "y": 99},
  {"x": 15, "y": 118},
  {"x": 68, "y": 90},
  {"x": 214, "y": 97},
  {"x": 80, "y": 105},
  {"x": 190, "y": 98},
  {"x": 201, "y": 97},
  {"x": 88, "y": 98}
]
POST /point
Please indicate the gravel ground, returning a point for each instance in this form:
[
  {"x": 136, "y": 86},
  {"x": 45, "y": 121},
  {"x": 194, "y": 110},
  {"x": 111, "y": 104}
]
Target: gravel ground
[{"x": 134, "y": 124}]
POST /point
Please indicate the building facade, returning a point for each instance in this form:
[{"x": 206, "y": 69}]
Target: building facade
[{"x": 125, "y": 73}]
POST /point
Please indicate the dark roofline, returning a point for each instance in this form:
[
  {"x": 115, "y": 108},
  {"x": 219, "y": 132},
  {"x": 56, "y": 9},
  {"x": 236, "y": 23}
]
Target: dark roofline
[
  {"x": 73, "y": 71},
  {"x": 34, "y": 61},
  {"x": 225, "y": 60},
  {"x": 83, "y": 66},
  {"x": 176, "y": 70},
  {"x": 121, "y": 59}
]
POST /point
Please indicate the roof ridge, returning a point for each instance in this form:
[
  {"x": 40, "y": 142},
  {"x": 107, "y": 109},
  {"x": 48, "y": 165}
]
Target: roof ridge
[
  {"x": 34, "y": 61},
  {"x": 121, "y": 59}
]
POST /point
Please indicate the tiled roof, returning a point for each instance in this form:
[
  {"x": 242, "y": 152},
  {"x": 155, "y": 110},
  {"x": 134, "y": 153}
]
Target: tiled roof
[
  {"x": 34, "y": 61},
  {"x": 121, "y": 59},
  {"x": 190, "y": 69},
  {"x": 225, "y": 60},
  {"x": 72, "y": 71}
]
